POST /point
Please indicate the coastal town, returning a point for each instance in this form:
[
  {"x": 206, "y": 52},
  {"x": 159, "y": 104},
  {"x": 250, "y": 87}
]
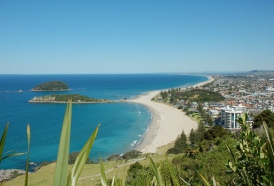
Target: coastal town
[{"x": 249, "y": 93}]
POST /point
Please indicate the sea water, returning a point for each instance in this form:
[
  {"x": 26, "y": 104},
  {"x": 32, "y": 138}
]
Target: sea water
[{"x": 122, "y": 124}]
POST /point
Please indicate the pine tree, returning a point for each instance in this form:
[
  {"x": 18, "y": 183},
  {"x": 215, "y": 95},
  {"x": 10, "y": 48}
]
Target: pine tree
[{"x": 192, "y": 137}]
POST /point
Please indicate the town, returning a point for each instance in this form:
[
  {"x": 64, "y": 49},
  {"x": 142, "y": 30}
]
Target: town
[{"x": 249, "y": 93}]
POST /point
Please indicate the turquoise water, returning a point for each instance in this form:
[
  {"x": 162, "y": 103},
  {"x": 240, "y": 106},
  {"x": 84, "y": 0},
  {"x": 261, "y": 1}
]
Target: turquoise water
[{"x": 122, "y": 124}]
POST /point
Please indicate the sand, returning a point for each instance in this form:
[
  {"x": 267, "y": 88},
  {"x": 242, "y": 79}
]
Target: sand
[{"x": 167, "y": 122}]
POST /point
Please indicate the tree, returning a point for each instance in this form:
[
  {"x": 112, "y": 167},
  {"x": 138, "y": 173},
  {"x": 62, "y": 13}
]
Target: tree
[
  {"x": 200, "y": 131},
  {"x": 163, "y": 94},
  {"x": 192, "y": 137},
  {"x": 200, "y": 107},
  {"x": 209, "y": 120},
  {"x": 179, "y": 146},
  {"x": 266, "y": 116},
  {"x": 203, "y": 114},
  {"x": 138, "y": 174},
  {"x": 215, "y": 131}
]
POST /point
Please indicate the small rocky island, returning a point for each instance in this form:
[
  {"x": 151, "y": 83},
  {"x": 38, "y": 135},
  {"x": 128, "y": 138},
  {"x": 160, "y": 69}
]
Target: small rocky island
[
  {"x": 63, "y": 98},
  {"x": 51, "y": 86}
]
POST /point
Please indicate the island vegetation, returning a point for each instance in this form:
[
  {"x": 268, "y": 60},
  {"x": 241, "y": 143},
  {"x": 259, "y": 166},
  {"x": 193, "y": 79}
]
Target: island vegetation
[
  {"x": 51, "y": 86},
  {"x": 63, "y": 98}
]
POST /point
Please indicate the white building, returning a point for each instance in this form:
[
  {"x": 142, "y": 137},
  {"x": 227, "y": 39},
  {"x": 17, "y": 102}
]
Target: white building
[
  {"x": 214, "y": 113},
  {"x": 230, "y": 116}
]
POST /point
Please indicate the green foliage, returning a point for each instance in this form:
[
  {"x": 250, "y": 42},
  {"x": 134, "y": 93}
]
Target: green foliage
[
  {"x": 208, "y": 163},
  {"x": 163, "y": 94},
  {"x": 192, "y": 137},
  {"x": 132, "y": 154},
  {"x": 64, "y": 97},
  {"x": 53, "y": 85},
  {"x": 199, "y": 95},
  {"x": 73, "y": 156},
  {"x": 253, "y": 161},
  {"x": 199, "y": 107},
  {"x": 265, "y": 116},
  {"x": 157, "y": 174},
  {"x": 2, "y": 144},
  {"x": 209, "y": 120},
  {"x": 103, "y": 174},
  {"x": 180, "y": 145},
  {"x": 215, "y": 131},
  {"x": 61, "y": 178},
  {"x": 138, "y": 175}
]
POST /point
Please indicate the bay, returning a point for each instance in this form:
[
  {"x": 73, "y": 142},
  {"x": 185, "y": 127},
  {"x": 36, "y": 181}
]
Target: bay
[{"x": 122, "y": 124}]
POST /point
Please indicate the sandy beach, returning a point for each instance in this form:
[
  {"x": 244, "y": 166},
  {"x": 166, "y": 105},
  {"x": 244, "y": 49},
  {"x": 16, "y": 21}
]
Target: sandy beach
[{"x": 167, "y": 122}]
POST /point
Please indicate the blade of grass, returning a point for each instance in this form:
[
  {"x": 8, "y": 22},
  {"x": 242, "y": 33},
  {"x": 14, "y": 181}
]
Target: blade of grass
[
  {"x": 231, "y": 153},
  {"x": 204, "y": 180},
  {"x": 270, "y": 151},
  {"x": 172, "y": 179},
  {"x": 156, "y": 172},
  {"x": 15, "y": 154},
  {"x": 183, "y": 180},
  {"x": 103, "y": 174},
  {"x": 214, "y": 181},
  {"x": 2, "y": 144},
  {"x": 269, "y": 137},
  {"x": 27, "y": 164},
  {"x": 3, "y": 139},
  {"x": 60, "y": 177},
  {"x": 81, "y": 159},
  {"x": 113, "y": 180}
]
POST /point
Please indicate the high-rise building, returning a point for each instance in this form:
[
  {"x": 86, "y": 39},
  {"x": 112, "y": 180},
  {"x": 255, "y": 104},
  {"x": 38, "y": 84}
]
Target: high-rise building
[{"x": 230, "y": 116}]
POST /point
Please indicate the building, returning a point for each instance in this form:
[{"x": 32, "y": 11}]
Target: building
[
  {"x": 230, "y": 116},
  {"x": 213, "y": 113},
  {"x": 215, "y": 105}
]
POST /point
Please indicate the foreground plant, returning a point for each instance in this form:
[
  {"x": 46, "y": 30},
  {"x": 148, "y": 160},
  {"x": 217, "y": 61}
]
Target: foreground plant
[
  {"x": 2, "y": 144},
  {"x": 61, "y": 172},
  {"x": 254, "y": 159}
]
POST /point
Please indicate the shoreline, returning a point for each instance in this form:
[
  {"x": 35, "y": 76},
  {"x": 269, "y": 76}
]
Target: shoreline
[{"x": 167, "y": 122}]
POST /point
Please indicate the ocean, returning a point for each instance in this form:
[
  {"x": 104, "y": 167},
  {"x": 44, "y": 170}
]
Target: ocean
[{"x": 122, "y": 124}]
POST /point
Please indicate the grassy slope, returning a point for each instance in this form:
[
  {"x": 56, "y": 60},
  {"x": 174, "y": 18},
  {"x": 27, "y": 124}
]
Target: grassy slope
[{"x": 91, "y": 172}]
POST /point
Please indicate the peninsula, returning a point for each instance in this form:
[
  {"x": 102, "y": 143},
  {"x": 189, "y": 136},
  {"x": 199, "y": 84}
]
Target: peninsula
[
  {"x": 51, "y": 86},
  {"x": 63, "y": 98}
]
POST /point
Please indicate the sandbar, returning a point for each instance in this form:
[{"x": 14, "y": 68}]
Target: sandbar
[{"x": 167, "y": 122}]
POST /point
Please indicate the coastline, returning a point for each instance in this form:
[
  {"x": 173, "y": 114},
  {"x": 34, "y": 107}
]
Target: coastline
[{"x": 166, "y": 124}]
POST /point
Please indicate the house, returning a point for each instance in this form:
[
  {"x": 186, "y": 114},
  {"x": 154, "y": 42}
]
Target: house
[
  {"x": 194, "y": 104},
  {"x": 213, "y": 113},
  {"x": 215, "y": 105}
]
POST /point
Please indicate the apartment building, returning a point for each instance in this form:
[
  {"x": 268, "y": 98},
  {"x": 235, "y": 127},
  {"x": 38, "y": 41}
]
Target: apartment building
[{"x": 230, "y": 116}]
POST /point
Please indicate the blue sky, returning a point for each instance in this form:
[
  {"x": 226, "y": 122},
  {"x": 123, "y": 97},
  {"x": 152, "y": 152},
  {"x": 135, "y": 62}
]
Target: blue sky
[{"x": 72, "y": 37}]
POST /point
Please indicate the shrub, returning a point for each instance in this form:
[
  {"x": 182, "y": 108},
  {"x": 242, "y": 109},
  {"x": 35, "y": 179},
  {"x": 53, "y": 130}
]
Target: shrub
[{"x": 132, "y": 154}]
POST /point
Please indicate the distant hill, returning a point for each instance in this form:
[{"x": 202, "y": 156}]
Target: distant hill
[
  {"x": 257, "y": 72},
  {"x": 51, "y": 86}
]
